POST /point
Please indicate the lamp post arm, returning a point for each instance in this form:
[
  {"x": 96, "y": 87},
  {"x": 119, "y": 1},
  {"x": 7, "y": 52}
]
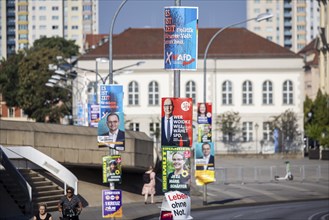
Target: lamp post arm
[
  {"x": 206, "y": 52},
  {"x": 122, "y": 68},
  {"x": 110, "y": 41}
]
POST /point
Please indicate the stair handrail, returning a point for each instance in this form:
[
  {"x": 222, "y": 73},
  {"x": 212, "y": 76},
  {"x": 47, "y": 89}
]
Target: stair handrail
[
  {"x": 47, "y": 163},
  {"x": 24, "y": 185}
]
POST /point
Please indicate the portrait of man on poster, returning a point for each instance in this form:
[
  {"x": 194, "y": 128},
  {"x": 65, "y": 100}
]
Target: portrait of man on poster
[
  {"x": 173, "y": 129},
  {"x": 206, "y": 161}
]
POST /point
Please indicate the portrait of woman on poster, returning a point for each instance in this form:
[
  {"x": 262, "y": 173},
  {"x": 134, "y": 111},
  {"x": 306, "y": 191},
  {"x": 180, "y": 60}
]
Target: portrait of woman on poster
[
  {"x": 180, "y": 178},
  {"x": 204, "y": 117}
]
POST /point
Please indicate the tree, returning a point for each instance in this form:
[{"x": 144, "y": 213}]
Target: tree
[
  {"x": 230, "y": 127},
  {"x": 317, "y": 123},
  {"x": 287, "y": 123},
  {"x": 30, "y": 93},
  {"x": 9, "y": 79}
]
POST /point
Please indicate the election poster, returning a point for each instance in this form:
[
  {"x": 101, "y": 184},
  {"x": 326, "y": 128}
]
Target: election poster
[
  {"x": 93, "y": 115},
  {"x": 180, "y": 38},
  {"x": 176, "y": 168},
  {"x": 204, "y": 163},
  {"x": 175, "y": 205},
  {"x": 111, "y": 168},
  {"x": 111, "y": 203},
  {"x": 204, "y": 113},
  {"x": 204, "y": 133},
  {"x": 111, "y": 131},
  {"x": 176, "y": 122}
]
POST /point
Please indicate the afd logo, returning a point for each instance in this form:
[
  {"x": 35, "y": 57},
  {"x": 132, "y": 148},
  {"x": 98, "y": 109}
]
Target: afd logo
[{"x": 185, "y": 59}]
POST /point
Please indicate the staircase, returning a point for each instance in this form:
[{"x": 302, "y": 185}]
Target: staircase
[
  {"x": 43, "y": 190},
  {"x": 14, "y": 191}
]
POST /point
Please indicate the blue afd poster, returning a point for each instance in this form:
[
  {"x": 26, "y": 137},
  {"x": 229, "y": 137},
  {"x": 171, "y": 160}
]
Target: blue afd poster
[{"x": 181, "y": 38}]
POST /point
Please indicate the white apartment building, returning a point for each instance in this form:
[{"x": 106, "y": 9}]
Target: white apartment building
[
  {"x": 294, "y": 24},
  {"x": 24, "y": 21},
  {"x": 245, "y": 73}
]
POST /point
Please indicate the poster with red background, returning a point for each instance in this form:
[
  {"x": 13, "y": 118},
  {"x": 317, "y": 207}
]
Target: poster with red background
[{"x": 176, "y": 122}]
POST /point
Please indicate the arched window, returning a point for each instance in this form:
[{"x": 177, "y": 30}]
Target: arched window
[
  {"x": 133, "y": 93},
  {"x": 153, "y": 93},
  {"x": 190, "y": 90},
  {"x": 267, "y": 93},
  {"x": 227, "y": 93},
  {"x": 288, "y": 93},
  {"x": 247, "y": 92}
]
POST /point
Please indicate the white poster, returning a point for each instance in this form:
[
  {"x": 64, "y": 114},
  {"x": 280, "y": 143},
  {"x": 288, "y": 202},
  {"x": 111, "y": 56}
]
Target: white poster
[{"x": 178, "y": 203}]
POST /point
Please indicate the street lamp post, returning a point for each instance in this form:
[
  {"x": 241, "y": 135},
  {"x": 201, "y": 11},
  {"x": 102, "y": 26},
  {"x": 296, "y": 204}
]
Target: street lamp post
[
  {"x": 256, "y": 128},
  {"x": 259, "y": 18},
  {"x": 110, "y": 41}
]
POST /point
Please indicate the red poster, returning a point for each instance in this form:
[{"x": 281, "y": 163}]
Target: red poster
[{"x": 176, "y": 122}]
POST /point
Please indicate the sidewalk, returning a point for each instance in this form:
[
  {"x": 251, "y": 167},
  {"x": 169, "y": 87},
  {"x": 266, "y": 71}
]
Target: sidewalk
[{"x": 220, "y": 193}]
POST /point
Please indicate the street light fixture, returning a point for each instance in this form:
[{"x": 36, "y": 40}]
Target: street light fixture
[
  {"x": 260, "y": 17},
  {"x": 256, "y": 127}
]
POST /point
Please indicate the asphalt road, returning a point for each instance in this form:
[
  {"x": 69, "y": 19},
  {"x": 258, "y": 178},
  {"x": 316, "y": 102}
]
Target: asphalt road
[{"x": 304, "y": 210}]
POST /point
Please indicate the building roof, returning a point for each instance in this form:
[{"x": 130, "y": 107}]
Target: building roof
[
  {"x": 147, "y": 43},
  {"x": 310, "y": 53},
  {"x": 93, "y": 40}
]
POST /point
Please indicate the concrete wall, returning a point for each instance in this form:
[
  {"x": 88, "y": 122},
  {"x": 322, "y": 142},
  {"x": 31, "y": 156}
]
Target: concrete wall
[{"x": 73, "y": 144}]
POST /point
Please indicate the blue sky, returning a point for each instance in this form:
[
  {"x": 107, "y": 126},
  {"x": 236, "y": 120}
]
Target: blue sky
[{"x": 149, "y": 13}]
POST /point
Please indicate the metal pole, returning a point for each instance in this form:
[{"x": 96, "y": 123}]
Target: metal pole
[
  {"x": 96, "y": 86},
  {"x": 110, "y": 42},
  {"x": 177, "y": 72}
]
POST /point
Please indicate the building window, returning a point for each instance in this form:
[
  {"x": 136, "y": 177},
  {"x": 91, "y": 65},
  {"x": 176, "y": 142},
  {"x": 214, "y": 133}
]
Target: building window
[
  {"x": 42, "y": 27},
  {"x": 247, "y": 131},
  {"x": 228, "y": 136},
  {"x": 55, "y": 27},
  {"x": 267, "y": 132},
  {"x": 11, "y": 112},
  {"x": 134, "y": 126},
  {"x": 42, "y": 8},
  {"x": 54, "y": 8},
  {"x": 42, "y": 18},
  {"x": 288, "y": 92},
  {"x": 155, "y": 130},
  {"x": 133, "y": 93},
  {"x": 267, "y": 93},
  {"x": 227, "y": 93},
  {"x": 74, "y": 8},
  {"x": 247, "y": 93},
  {"x": 190, "y": 91},
  {"x": 153, "y": 93},
  {"x": 75, "y": 27},
  {"x": 55, "y": 17}
]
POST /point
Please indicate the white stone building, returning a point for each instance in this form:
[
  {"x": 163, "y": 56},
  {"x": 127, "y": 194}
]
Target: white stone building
[{"x": 239, "y": 64}]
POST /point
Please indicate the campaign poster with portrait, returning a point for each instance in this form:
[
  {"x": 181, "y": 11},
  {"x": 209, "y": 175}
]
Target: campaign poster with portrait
[
  {"x": 112, "y": 203},
  {"x": 176, "y": 122},
  {"x": 204, "y": 133},
  {"x": 111, "y": 168},
  {"x": 204, "y": 163},
  {"x": 181, "y": 38},
  {"x": 204, "y": 113},
  {"x": 111, "y": 131},
  {"x": 176, "y": 168}
]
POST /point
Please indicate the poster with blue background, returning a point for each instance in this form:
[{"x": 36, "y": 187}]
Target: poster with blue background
[
  {"x": 181, "y": 38},
  {"x": 112, "y": 203}
]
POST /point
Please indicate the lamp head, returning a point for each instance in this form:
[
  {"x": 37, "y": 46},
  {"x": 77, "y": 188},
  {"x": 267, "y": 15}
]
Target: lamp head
[
  {"x": 60, "y": 72},
  {"x": 49, "y": 84},
  {"x": 263, "y": 16}
]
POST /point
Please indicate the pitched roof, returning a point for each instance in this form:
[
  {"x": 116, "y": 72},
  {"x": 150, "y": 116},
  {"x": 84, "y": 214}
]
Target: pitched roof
[
  {"x": 147, "y": 43},
  {"x": 310, "y": 53},
  {"x": 93, "y": 40}
]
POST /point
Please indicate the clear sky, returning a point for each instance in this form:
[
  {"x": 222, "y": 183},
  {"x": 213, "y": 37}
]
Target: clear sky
[{"x": 150, "y": 13}]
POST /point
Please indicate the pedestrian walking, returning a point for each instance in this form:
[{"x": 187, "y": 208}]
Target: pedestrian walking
[{"x": 149, "y": 184}]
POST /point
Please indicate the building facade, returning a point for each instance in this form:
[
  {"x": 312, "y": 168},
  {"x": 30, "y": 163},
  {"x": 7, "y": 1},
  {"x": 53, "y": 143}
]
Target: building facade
[
  {"x": 294, "y": 24},
  {"x": 24, "y": 21},
  {"x": 268, "y": 74}
]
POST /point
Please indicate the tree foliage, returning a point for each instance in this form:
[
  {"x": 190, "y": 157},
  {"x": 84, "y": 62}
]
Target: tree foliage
[
  {"x": 230, "y": 125},
  {"x": 317, "y": 119},
  {"x": 23, "y": 78},
  {"x": 287, "y": 123},
  {"x": 9, "y": 79}
]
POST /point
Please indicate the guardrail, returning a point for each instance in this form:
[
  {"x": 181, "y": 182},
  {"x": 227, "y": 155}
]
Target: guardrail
[
  {"x": 262, "y": 174},
  {"x": 22, "y": 183},
  {"x": 45, "y": 162}
]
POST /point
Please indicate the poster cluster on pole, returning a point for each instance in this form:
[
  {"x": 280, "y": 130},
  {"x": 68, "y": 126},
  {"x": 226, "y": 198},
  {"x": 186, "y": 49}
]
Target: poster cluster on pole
[{"x": 204, "y": 149}]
